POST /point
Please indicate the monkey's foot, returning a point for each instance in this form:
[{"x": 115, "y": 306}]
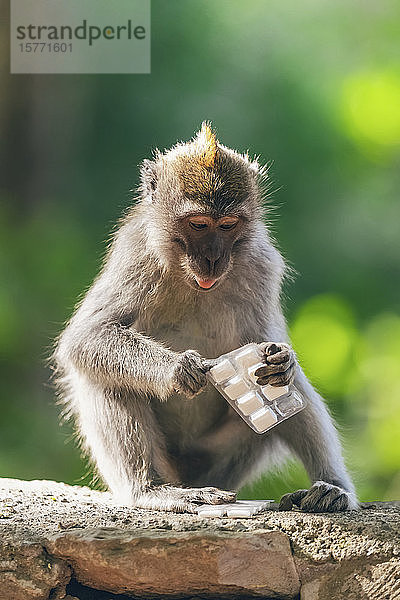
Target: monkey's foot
[
  {"x": 280, "y": 364},
  {"x": 177, "y": 499},
  {"x": 321, "y": 497}
]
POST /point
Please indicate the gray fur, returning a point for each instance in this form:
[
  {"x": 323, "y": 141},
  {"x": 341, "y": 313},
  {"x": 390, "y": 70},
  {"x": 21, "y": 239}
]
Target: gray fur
[{"x": 146, "y": 417}]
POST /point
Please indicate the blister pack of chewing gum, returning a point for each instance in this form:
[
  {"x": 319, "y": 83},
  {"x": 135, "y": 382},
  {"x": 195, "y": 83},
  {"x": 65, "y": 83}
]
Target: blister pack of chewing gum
[
  {"x": 235, "y": 510},
  {"x": 262, "y": 407}
]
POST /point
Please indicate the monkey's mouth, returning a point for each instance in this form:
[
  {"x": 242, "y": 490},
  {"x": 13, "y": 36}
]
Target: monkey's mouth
[{"x": 205, "y": 284}]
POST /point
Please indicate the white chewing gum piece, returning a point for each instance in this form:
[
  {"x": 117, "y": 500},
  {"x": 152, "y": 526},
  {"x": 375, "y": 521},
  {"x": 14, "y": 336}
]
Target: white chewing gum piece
[
  {"x": 211, "y": 511},
  {"x": 237, "y": 512},
  {"x": 247, "y": 358},
  {"x": 235, "y": 388},
  {"x": 257, "y": 504},
  {"x": 263, "y": 418},
  {"x": 249, "y": 403},
  {"x": 272, "y": 392},
  {"x": 222, "y": 371},
  {"x": 238, "y": 509},
  {"x": 289, "y": 404}
]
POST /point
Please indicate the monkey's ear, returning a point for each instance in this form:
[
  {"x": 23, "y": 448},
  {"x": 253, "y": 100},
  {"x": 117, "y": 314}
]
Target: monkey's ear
[{"x": 148, "y": 178}]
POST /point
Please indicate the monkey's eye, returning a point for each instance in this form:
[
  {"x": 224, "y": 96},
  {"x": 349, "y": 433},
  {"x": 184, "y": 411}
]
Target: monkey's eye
[
  {"x": 228, "y": 224},
  {"x": 198, "y": 225}
]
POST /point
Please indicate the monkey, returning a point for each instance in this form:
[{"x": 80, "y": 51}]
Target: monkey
[{"x": 192, "y": 272}]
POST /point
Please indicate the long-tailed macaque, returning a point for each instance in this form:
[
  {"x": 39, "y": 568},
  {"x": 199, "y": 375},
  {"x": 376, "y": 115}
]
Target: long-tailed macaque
[{"x": 191, "y": 274}]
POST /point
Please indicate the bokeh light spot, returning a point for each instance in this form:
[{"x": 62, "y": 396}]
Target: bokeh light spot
[
  {"x": 323, "y": 335},
  {"x": 371, "y": 109}
]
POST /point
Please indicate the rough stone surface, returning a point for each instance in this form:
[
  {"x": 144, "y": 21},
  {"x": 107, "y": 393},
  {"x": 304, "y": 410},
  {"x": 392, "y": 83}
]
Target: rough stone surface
[
  {"x": 28, "y": 572},
  {"x": 57, "y": 539},
  {"x": 181, "y": 563}
]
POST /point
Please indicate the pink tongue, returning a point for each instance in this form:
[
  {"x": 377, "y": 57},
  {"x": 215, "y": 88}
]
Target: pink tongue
[{"x": 205, "y": 283}]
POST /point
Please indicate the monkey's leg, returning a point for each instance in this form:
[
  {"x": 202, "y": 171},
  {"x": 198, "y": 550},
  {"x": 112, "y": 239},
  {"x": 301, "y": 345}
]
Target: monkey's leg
[
  {"x": 120, "y": 433},
  {"x": 311, "y": 435}
]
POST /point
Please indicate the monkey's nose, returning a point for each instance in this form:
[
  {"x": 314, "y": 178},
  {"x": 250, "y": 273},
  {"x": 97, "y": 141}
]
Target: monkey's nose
[{"x": 212, "y": 264}]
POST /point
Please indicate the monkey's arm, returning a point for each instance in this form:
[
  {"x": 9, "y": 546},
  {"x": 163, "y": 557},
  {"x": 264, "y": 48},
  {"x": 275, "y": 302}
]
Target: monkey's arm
[
  {"x": 311, "y": 434},
  {"x": 114, "y": 355},
  {"x": 312, "y": 437},
  {"x": 99, "y": 344}
]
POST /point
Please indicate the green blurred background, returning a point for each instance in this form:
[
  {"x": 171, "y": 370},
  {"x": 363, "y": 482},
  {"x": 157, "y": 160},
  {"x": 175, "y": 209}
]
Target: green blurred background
[{"x": 312, "y": 86}]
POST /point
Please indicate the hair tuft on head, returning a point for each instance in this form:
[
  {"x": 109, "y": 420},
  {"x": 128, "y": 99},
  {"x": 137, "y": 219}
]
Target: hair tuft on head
[{"x": 206, "y": 145}]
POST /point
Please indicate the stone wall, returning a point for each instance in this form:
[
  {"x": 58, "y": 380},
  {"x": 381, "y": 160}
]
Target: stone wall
[{"x": 59, "y": 541}]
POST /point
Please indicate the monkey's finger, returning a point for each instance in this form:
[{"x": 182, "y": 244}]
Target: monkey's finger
[
  {"x": 197, "y": 377},
  {"x": 194, "y": 361},
  {"x": 209, "y": 495},
  {"x": 273, "y": 348},
  {"x": 209, "y": 363},
  {"x": 298, "y": 495},
  {"x": 293, "y": 499},
  {"x": 340, "y": 503},
  {"x": 322, "y": 504},
  {"x": 189, "y": 507},
  {"x": 267, "y": 370},
  {"x": 289, "y": 500},
  {"x": 193, "y": 377},
  {"x": 286, "y": 502},
  {"x": 320, "y": 497},
  {"x": 269, "y": 348},
  {"x": 282, "y": 378},
  {"x": 280, "y": 357},
  {"x": 189, "y": 386},
  {"x": 277, "y": 379}
]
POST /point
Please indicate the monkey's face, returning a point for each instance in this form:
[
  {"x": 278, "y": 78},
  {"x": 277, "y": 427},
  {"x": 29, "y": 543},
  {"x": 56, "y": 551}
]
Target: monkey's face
[
  {"x": 205, "y": 245},
  {"x": 202, "y": 200}
]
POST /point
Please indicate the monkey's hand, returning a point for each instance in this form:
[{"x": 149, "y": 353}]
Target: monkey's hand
[
  {"x": 280, "y": 364},
  {"x": 189, "y": 376},
  {"x": 321, "y": 497}
]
